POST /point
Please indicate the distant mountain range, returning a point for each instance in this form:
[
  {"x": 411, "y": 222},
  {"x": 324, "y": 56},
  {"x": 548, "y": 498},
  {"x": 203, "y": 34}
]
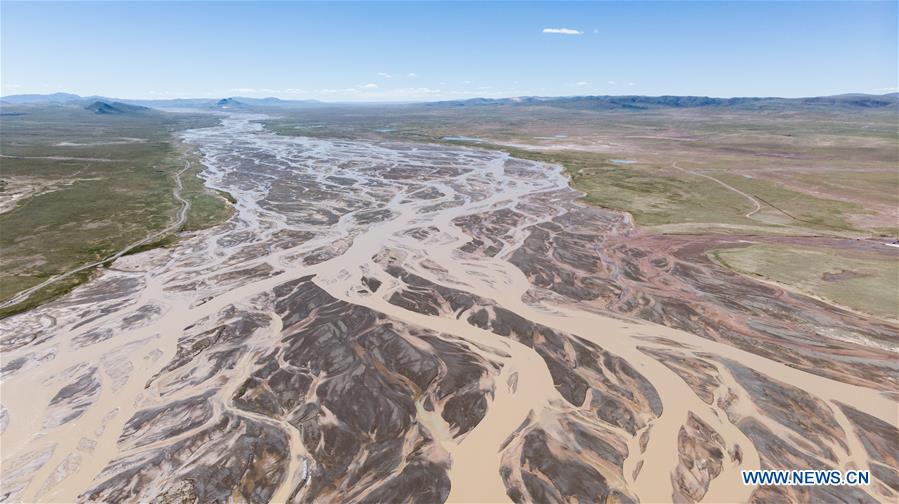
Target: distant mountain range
[
  {"x": 865, "y": 101},
  {"x": 41, "y": 98},
  {"x": 102, "y": 107},
  {"x": 89, "y": 102},
  {"x": 105, "y": 105}
]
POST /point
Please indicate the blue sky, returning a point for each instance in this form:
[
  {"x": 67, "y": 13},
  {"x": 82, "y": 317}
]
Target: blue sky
[{"x": 424, "y": 51}]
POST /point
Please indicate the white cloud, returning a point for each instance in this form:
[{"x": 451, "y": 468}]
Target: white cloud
[
  {"x": 886, "y": 90},
  {"x": 466, "y": 82},
  {"x": 563, "y": 31},
  {"x": 412, "y": 74},
  {"x": 630, "y": 83},
  {"x": 612, "y": 82},
  {"x": 384, "y": 74},
  {"x": 581, "y": 83},
  {"x": 370, "y": 85},
  {"x": 294, "y": 91}
]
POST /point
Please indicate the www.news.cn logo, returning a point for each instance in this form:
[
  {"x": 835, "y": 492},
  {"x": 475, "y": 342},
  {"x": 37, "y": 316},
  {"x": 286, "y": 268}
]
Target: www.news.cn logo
[{"x": 806, "y": 477}]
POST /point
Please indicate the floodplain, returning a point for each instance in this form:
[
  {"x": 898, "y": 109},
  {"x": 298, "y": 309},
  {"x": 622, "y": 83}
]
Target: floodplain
[{"x": 472, "y": 305}]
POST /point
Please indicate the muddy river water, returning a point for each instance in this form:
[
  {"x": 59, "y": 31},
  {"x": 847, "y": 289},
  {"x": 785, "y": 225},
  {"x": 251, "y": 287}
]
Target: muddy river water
[{"x": 386, "y": 322}]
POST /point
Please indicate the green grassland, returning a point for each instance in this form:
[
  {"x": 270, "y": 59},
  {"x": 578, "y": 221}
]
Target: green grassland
[
  {"x": 207, "y": 207},
  {"x": 813, "y": 171},
  {"x": 653, "y": 195},
  {"x": 100, "y": 183},
  {"x": 864, "y": 283}
]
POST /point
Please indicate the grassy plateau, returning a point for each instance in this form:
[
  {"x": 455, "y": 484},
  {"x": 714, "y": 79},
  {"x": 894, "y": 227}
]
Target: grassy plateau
[{"x": 80, "y": 186}]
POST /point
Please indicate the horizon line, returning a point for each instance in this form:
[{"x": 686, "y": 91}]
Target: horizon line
[{"x": 411, "y": 101}]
